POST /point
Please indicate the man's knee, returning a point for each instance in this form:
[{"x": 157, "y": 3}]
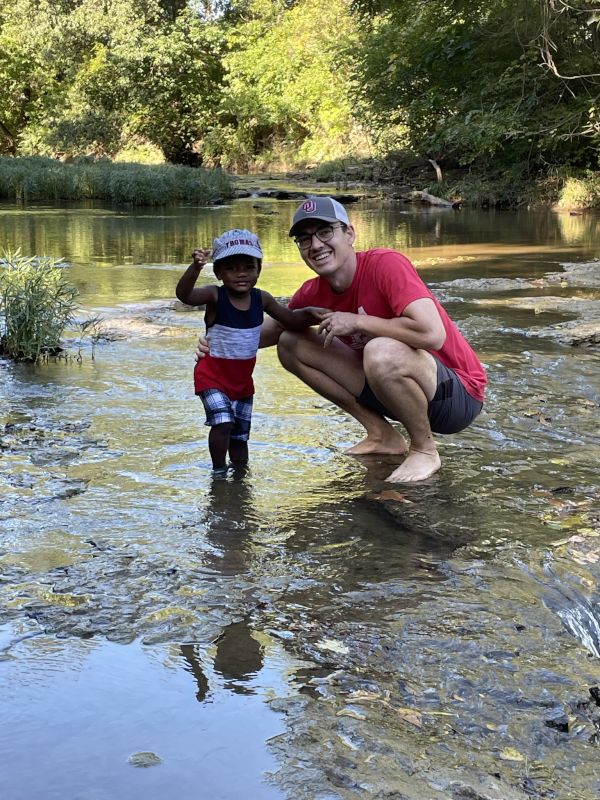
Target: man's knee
[
  {"x": 288, "y": 347},
  {"x": 385, "y": 358}
]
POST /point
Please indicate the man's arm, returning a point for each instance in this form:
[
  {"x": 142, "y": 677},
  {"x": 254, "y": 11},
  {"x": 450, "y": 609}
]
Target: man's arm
[{"x": 420, "y": 325}]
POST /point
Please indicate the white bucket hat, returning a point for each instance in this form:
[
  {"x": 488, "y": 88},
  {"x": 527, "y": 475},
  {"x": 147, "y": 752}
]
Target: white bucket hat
[{"x": 236, "y": 242}]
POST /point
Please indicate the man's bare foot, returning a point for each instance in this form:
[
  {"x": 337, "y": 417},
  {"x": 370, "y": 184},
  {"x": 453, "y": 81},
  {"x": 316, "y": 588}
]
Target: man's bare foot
[
  {"x": 418, "y": 466},
  {"x": 393, "y": 443}
]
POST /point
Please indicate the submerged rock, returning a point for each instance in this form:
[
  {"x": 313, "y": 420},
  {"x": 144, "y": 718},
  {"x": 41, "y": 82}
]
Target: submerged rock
[
  {"x": 559, "y": 721},
  {"x": 584, "y": 330},
  {"x": 145, "y": 759}
]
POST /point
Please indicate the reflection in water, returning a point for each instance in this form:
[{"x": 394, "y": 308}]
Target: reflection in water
[
  {"x": 229, "y": 520},
  {"x": 238, "y": 657},
  {"x": 74, "y": 713},
  {"x": 192, "y": 658},
  {"x": 106, "y": 247},
  {"x": 230, "y": 517}
]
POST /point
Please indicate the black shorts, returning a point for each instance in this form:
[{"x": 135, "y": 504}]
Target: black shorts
[{"x": 451, "y": 410}]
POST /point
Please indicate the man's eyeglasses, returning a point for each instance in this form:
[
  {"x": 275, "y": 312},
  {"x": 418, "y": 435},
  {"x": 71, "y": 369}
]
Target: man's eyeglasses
[{"x": 324, "y": 234}]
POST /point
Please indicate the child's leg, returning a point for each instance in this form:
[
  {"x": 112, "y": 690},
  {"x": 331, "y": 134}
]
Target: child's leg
[
  {"x": 238, "y": 443},
  {"x": 238, "y": 452},
  {"x": 219, "y": 444},
  {"x": 220, "y": 418}
]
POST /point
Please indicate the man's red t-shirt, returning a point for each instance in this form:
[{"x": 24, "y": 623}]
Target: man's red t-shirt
[{"x": 386, "y": 282}]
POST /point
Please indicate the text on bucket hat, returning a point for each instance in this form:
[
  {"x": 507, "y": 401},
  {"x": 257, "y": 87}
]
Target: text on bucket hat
[
  {"x": 236, "y": 242},
  {"x": 320, "y": 208}
]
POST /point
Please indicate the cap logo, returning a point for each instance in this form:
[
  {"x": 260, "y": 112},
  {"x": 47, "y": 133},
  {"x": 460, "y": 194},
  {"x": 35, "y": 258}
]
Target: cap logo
[
  {"x": 235, "y": 242},
  {"x": 309, "y": 206}
]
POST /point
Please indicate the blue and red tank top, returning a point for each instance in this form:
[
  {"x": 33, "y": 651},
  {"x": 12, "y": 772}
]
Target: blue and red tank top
[{"x": 232, "y": 342}]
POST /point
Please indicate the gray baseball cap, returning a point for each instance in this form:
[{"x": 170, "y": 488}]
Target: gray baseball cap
[
  {"x": 236, "y": 242},
  {"x": 319, "y": 208}
]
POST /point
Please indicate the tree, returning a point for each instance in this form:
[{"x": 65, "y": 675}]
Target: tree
[
  {"x": 83, "y": 77},
  {"x": 179, "y": 89},
  {"x": 28, "y": 76},
  {"x": 286, "y": 91},
  {"x": 505, "y": 82}
]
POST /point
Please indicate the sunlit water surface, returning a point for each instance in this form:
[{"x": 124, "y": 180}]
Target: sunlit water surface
[{"x": 301, "y": 630}]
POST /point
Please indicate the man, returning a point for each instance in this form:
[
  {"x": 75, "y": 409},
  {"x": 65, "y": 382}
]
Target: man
[{"x": 386, "y": 348}]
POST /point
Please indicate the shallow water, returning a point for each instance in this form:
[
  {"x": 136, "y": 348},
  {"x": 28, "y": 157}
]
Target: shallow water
[{"x": 303, "y": 630}]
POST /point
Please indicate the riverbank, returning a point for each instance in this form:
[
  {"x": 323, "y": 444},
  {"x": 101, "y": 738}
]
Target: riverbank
[{"x": 400, "y": 175}]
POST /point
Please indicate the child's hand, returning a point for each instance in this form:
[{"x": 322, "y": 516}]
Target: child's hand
[
  {"x": 318, "y": 314},
  {"x": 200, "y": 257}
]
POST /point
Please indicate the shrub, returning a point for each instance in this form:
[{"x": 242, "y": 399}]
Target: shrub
[
  {"x": 139, "y": 151},
  {"x": 580, "y": 192},
  {"x": 36, "y": 304}
]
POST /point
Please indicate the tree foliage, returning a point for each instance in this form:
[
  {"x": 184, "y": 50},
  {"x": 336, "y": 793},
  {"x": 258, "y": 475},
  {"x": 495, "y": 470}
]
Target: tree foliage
[
  {"x": 87, "y": 76},
  {"x": 510, "y": 82},
  {"x": 286, "y": 90},
  {"x": 495, "y": 85}
]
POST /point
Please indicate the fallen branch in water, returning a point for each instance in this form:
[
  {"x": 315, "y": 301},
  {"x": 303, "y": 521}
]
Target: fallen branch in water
[{"x": 432, "y": 199}]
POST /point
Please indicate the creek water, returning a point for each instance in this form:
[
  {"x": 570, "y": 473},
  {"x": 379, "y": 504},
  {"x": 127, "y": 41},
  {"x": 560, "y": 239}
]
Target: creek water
[{"x": 303, "y": 630}]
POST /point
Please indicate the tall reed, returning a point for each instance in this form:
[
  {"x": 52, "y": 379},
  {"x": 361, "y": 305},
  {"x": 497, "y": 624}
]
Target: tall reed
[
  {"x": 39, "y": 178},
  {"x": 37, "y": 302}
]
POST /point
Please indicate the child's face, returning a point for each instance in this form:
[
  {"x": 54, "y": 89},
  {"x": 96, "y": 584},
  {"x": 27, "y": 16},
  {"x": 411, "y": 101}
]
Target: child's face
[{"x": 238, "y": 273}]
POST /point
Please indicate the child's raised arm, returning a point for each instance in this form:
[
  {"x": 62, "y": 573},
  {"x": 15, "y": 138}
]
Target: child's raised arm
[
  {"x": 185, "y": 290},
  {"x": 295, "y": 320}
]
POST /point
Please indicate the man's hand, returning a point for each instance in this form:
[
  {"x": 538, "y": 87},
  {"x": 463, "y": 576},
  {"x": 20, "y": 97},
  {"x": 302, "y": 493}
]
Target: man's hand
[
  {"x": 337, "y": 323},
  {"x": 202, "y": 348}
]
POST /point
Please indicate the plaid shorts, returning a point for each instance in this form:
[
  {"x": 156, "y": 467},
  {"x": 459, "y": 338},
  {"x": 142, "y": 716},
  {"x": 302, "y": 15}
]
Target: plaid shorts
[{"x": 219, "y": 409}]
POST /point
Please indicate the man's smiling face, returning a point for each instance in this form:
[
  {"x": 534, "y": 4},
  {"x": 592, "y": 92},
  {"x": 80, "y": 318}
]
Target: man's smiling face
[{"x": 329, "y": 257}]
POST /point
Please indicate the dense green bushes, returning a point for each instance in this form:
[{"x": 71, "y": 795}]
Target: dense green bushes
[
  {"x": 506, "y": 89},
  {"x": 233, "y": 83},
  {"x": 39, "y": 178},
  {"x": 504, "y": 85}
]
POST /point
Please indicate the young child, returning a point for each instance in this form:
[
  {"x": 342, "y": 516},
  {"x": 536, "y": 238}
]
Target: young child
[{"x": 233, "y": 317}]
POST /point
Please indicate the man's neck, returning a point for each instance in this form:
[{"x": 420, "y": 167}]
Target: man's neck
[{"x": 343, "y": 277}]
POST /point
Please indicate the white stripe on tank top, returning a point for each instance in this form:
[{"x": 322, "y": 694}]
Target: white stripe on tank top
[{"x": 224, "y": 342}]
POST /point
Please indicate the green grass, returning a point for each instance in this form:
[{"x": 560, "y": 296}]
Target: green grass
[
  {"x": 37, "y": 302},
  {"x": 37, "y": 178}
]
